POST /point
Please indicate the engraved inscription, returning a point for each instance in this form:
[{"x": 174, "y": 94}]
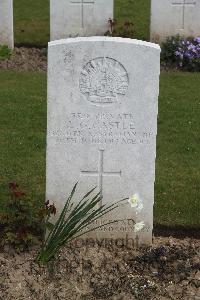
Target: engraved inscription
[
  {"x": 101, "y": 173},
  {"x": 126, "y": 225},
  {"x": 82, "y": 3},
  {"x": 184, "y": 4},
  {"x": 103, "y": 79},
  {"x": 102, "y": 129},
  {"x": 68, "y": 57}
]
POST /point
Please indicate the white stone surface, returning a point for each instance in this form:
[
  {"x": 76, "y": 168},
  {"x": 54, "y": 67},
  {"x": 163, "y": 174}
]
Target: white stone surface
[
  {"x": 72, "y": 18},
  {"x": 102, "y": 125},
  {"x": 172, "y": 17},
  {"x": 6, "y": 23}
]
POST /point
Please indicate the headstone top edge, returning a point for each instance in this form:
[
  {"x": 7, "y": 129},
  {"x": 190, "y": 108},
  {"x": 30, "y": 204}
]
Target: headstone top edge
[{"x": 104, "y": 39}]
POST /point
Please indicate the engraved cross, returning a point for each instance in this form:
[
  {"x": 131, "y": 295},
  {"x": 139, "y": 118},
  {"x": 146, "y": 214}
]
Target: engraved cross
[
  {"x": 184, "y": 4},
  {"x": 100, "y": 173},
  {"x": 82, "y": 2}
]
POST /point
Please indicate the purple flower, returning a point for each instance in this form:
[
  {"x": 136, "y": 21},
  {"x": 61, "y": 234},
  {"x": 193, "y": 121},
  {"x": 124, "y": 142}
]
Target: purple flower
[
  {"x": 191, "y": 47},
  {"x": 187, "y": 53},
  {"x": 197, "y": 39}
]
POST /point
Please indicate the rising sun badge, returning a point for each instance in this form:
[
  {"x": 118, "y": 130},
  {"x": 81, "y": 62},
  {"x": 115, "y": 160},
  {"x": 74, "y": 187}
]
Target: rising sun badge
[{"x": 103, "y": 79}]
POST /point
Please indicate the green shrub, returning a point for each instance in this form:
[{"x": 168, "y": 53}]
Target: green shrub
[
  {"x": 22, "y": 224},
  {"x": 168, "y": 57},
  {"x": 5, "y": 52},
  {"x": 20, "y": 221},
  {"x": 73, "y": 222}
]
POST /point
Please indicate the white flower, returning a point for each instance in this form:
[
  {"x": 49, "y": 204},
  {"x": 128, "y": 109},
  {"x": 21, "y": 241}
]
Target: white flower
[
  {"x": 138, "y": 226},
  {"x": 136, "y": 202}
]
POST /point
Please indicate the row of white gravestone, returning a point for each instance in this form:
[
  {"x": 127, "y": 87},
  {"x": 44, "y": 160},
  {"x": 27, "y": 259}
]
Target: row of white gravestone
[
  {"x": 90, "y": 17},
  {"x": 68, "y": 18},
  {"x": 71, "y": 18},
  {"x": 102, "y": 126}
]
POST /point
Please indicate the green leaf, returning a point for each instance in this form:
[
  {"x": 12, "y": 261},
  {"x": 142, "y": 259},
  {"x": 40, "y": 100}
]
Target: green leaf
[{"x": 49, "y": 226}]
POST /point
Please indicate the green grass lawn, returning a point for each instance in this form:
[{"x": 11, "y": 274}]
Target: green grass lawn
[
  {"x": 136, "y": 11},
  {"x": 23, "y": 130},
  {"x": 178, "y": 156},
  {"x": 31, "y": 20}
]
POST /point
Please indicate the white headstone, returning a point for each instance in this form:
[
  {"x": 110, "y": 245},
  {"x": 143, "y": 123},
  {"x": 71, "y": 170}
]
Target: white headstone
[
  {"x": 172, "y": 17},
  {"x": 102, "y": 125},
  {"x": 72, "y": 18},
  {"x": 6, "y": 23}
]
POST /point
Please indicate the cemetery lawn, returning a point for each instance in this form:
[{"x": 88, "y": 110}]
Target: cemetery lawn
[
  {"x": 31, "y": 21},
  {"x": 23, "y": 131},
  {"x": 178, "y": 157},
  {"x": 137, "y": 12}
]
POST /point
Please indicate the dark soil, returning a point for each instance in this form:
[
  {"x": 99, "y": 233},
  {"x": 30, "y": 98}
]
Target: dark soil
[
  {"x": 35, "y": 59},
  {"x": 26, "y": 59},
  {"x": 168, "y": 270}
]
